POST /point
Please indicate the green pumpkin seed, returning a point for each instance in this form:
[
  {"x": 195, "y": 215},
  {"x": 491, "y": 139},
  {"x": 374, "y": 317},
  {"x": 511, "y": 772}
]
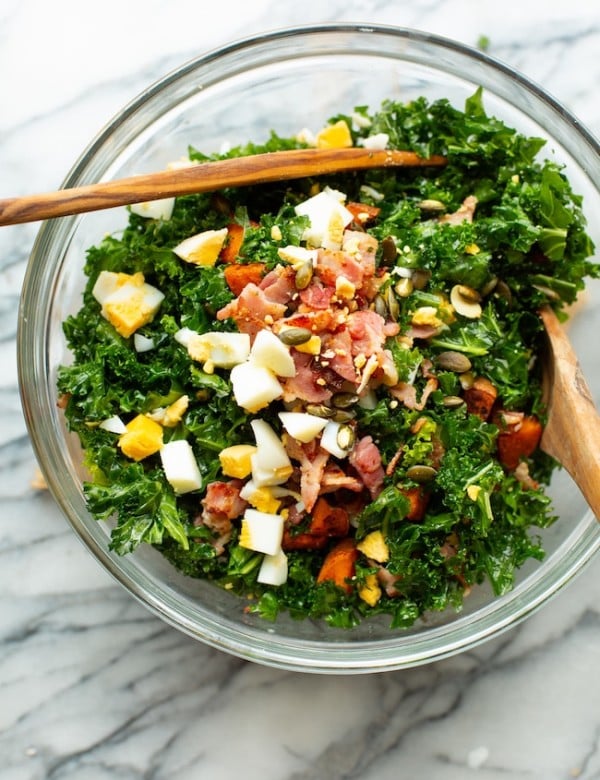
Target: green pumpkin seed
[
  {"x": 380, "y": 306},
  {"x": 420, "y": 278},
  {"x": 320, "y": 410},
  {"x": 404, "y": 287},
  {"x": 453, "y": 361},
  {"x": 303, "y": 276},
  {"x": 389, "y": 250},
  {"x": 345, "y": 437},
  {"x": 452, "y": 401},
  {"x": 293, "y": 337},
  {"x": 429, "y": 204},
  {"x": 343, "y": 415},
  {"x": 421, "y": 474},
  {"x": 344, "y": 400},
  {"x": 392, "y": 304}
]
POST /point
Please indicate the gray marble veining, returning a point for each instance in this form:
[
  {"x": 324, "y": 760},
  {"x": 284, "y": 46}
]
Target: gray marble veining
[{"x": 92, "y": 686}]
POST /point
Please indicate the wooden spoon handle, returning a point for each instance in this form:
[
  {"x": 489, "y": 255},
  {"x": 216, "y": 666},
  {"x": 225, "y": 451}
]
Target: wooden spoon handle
[
  {"x": 572, "y": 435},
  {"x": 204, "y": 177}
]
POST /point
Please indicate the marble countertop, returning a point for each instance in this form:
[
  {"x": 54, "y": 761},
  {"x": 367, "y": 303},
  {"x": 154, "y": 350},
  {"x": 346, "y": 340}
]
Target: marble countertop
[{"x": 92, "y": 686}]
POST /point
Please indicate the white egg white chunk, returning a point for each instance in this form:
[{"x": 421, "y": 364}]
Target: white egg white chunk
[
  {"x": 273, "y": 569},
  {"x": 270, "y": 352},
  {"x": 254, "y": 387},
  {"x": 155, "y": 209},
  {"x": 180, "y": 466},
  {"x": 329, "y": 440},
  {"x": 302, "y": 426},
  {"x": 270, "y": 463},
  {"x": 328, "y": 217},
  {"x": 142, "y": 343},
  {"x": 261, "y": 532},
  {"x": 223, "y": 350},
  {"x": 113, "y": 424}
]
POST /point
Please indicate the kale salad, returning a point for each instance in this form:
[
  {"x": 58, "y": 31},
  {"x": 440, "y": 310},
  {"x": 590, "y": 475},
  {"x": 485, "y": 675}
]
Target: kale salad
[{"x": 324, "y": 395}]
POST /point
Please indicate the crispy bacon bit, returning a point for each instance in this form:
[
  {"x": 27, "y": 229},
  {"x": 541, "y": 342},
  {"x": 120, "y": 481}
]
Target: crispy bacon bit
[
  {"x": 463, "y": 214},
  {"x": 407, "y": 393},
  {"x": 367, "y": 332},
  {"x": 221, "y": 504},
  {"x": 317, "y": 296},
  {"x": 340, "y": 345},
  {"x": 312, "y": 460},
  {"x": 331, "y": 265},
  {"x": 335, "y": 478},
  {"x": 278, "y": 285},
  {"x": 366, "y": 459},
  {"x": 305, "y": 384},
  {"x": 388, "y": 581},
  {"x": 250, "y": 309}
]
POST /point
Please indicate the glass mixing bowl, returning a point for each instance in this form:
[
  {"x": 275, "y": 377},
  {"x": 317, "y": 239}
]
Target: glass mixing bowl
[{"x": 288, "y": 80}]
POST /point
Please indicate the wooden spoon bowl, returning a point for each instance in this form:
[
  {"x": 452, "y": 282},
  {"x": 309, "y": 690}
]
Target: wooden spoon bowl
[{"x": 572, "y": 431}]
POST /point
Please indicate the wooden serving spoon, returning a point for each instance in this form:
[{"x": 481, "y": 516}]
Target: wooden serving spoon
[
  {"x": 572, "y": 431},
  {"x": 205, "y": 177}
]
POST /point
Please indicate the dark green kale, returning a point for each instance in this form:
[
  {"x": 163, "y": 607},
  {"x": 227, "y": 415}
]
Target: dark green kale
[{"x": 522, "y": 243}]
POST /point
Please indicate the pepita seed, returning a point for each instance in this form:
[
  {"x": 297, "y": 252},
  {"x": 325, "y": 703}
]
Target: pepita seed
[
  {"x": 344, "y": 400},
  {"x": 380, "y": 306},
  {"x": 293, "y": 337},
  {"x": 304, "y": 276},
  {"x": 489, "y": 286},
  {"x": 452, "y": 401},
  {"x": 421, "y": 474},
  {"x": 552, "y": 295},
  {"x": 467, "y": 380},
  {"x": 345, "y": 437},
  {"x": 343, "y": 415},
  {"x": 420, "y": 278},
  {"x": 389, "y": 250},
  {"x": 430, "y": 204},
  {"x": 404, "y": 287},
  {"x": 392, "y": 304},
  {"x": 320, "y": 410},
  {"x": 503, "y": 290},
  {"x": 465, "y": 301},
  {"x": 453, "y": 361}
]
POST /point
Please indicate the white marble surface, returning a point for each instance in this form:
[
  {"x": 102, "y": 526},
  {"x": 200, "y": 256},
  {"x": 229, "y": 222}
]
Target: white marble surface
[{"x": 94, "y": 687}]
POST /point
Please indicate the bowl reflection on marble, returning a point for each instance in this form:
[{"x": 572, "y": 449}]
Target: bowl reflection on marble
[{"x": 288, "y": 80}]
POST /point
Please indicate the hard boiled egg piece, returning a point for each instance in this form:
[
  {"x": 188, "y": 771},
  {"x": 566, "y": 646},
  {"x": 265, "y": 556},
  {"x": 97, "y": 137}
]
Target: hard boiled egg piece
[
  {"x": 261, "y": 531},
  {"x": 223, "y": 350},
  {"x": 301, "y": 425},
  {"x": 273, "y": 569},
  {"x": 254, "y": 387},
  {"x": 270, "y": 352},
  {"x": 270, "y": 464},
  {"x": 127, "y": 300},
  {"x": 328, "y": 218},
  {"x": 180, "y": 466},
  {"x": 203, "y": 248},
  {"x": 154, "y": 209},
  {"x": 329, "y": 440}
]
